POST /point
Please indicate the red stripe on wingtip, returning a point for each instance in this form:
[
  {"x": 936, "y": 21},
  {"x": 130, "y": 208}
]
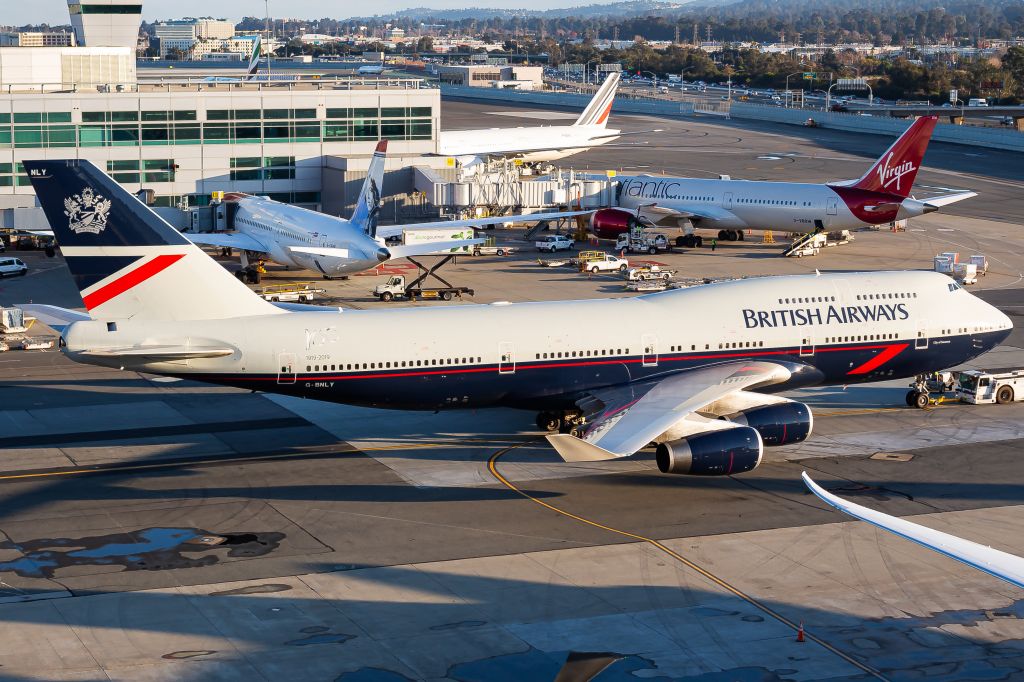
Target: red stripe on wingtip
[
  {"x": 130, "y": 279},
  {"x": 382, "y": 146},
  {"x": 880, "y": 359}
]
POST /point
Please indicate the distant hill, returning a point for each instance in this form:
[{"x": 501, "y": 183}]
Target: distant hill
[{"x": 627, "y": 8}]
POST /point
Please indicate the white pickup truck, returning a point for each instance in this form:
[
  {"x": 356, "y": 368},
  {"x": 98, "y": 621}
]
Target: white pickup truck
[
  {"x": 554, "y": 242},
  {"x": 609, "y": 263}
]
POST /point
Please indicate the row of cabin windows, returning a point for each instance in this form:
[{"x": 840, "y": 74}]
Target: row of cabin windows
[
  {"x": 808, "y": 299},
  {"x": 580, "y": 354},
  {"x": 773, "y": 202},
  {"x": 878, "y": 297},
  {"x": 863, "y": 337},
  {"x": 394, "y": 364}
]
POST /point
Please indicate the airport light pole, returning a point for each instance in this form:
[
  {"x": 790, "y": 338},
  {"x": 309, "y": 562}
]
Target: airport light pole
[
  {"x": 586, "y": 71},
  {"x": 654, "y": 80},
  {"x": 789, "y": 98}
]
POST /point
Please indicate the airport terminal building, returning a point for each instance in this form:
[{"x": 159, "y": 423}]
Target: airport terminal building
[{"x": 186, "y": 138}]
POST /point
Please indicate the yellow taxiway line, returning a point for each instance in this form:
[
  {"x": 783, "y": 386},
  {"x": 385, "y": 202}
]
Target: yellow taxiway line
[{"x": 492, "y": 466}]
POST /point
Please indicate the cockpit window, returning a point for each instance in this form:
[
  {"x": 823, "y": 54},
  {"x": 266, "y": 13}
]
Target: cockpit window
[{"x": 953, "y": 286}]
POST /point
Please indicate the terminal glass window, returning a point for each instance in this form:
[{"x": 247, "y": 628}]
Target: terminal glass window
[{"x": 263, "y": 168}]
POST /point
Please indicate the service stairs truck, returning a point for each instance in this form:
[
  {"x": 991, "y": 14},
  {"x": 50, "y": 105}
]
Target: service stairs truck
[{"x": 810, "y": 243}]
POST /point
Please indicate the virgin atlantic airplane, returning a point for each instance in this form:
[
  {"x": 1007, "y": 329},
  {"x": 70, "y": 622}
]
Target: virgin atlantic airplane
[
  {"x": 729, "y": 206},
  {"x": 696, "y": 370}
]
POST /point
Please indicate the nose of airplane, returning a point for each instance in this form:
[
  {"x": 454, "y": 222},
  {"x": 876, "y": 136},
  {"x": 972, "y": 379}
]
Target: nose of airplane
[{"x": 383, "y": 254}]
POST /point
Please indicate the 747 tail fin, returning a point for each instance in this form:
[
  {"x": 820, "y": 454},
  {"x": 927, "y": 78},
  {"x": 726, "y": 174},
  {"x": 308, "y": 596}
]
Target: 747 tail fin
[
  {"x": 367, "y": 211},
  {"x": 126, "y": 260}
]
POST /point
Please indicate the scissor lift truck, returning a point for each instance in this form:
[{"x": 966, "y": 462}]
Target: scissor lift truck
[{"x": 396, "y": 286}]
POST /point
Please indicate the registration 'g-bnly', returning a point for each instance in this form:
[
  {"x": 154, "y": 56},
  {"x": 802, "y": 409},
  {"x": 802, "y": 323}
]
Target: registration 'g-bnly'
[{"x": 698, "y": 371}]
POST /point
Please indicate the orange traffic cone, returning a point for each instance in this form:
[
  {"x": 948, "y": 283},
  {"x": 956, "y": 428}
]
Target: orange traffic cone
[{"x": 800, "y": 632}]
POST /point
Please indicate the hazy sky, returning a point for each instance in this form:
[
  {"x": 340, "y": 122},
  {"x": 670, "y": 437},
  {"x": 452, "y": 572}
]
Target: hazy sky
[{"x": 56, "y": 11}]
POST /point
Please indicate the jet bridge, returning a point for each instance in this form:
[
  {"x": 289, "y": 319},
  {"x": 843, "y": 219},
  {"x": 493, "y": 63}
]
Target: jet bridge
[{"x": 502, "y": 188}]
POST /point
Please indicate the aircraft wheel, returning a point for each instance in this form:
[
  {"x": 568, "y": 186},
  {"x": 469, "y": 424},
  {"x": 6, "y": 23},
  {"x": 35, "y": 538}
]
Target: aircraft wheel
[
  {"x": 911, "y": 396},
  {"x": 730, "y": 235},
  {"x": 739, "y": 234},
  {"x": 1004, "y": 395},
  {"x": 682, "y": 242},
  {"x": 698, "y": 242},
  {"x": 548, "y": 421},
  {"x": 723, "y": 234},
  {"x": 921, "y": 400}
]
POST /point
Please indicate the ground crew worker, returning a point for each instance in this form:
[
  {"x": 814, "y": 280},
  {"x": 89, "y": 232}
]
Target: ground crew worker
[{"x": 714, "y": 244}]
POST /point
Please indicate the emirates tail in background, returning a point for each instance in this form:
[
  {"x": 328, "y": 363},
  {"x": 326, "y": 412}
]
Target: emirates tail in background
[
  {"x": 600, "y": 107},
  {"x": 895, "y": 171}
]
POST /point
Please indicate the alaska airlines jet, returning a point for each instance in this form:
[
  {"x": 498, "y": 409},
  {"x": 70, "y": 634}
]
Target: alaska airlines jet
[
  {"x": 707, "y": 392},
  {"x": 537, "y": 143},
  {"x": 334, "y": 247},
  {"x": 881, "y": 196}
]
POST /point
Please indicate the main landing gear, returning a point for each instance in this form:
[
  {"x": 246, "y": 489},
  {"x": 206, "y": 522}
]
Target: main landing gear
[
  {"x": 730, "y": 235},
  {"x": 568, "y": 421},
  {"x": 690, "y": 241}
]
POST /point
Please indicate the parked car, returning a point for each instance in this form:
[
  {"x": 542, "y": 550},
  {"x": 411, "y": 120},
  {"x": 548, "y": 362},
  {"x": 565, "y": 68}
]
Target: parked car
[
  {"x": 12, "y": 267},
  {"x": 554, "y": 242}
]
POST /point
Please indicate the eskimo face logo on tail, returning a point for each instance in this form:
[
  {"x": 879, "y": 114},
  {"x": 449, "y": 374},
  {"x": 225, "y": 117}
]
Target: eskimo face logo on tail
[
  {"x": 87, "y": 212},
  {"x": 888, "y": 174}
]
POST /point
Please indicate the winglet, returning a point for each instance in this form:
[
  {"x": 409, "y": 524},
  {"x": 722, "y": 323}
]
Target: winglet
[{"x": 572, "y": 449}]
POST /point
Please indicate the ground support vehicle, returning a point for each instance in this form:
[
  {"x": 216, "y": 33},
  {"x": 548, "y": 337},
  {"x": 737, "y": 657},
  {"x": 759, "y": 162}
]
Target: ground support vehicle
[
  {"x": 644, "y": 272},
  {"x": 397, "y": 287},
  {"x": 638, "y": 242},
  {"x": 584, "y": 257},
  {"x": 554, "y": 242},
  {"x": 301, "y": 292},
  {"x": 11, "y": 267},
  {"x": 491, "y": 248},
  {"x": 979, "y": 387},
  {"x": 609, "y": 263},
  {"x": 648, "y": 285}
]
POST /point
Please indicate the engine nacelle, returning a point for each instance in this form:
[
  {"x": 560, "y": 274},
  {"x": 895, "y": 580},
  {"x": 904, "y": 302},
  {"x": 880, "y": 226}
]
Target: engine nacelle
[
  {"x": 779, "y": 424},
  {"x": 715, "y": 453},
  {"x": 609, "y": 223}
]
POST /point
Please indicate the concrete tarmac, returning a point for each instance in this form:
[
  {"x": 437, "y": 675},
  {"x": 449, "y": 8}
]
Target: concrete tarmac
[{"x": 160, "y": 530}]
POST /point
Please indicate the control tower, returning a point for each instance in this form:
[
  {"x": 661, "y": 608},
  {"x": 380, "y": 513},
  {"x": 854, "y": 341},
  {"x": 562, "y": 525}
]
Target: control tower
[{"x": 106, "y": 23}]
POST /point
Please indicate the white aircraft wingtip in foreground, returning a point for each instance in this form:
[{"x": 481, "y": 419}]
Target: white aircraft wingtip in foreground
[{"x": 997, "y": 563}]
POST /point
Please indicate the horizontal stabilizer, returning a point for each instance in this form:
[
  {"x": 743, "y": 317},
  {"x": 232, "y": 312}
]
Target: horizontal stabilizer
[
  {"x": 947, "y": 199},
  {"x": 159, "y": 353},
  {"x": 320, "y": 251},
  {"x": 572, "y": 449},
  {"x": 53, "y": 317},
  {"x": 424, "y": 248}
]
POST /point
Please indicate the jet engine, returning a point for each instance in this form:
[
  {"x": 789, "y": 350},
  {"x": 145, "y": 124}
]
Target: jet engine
[
  {"x": 609, "y": 223},
  {"x": 779, "y": 424},
  {"x": 716, "y": 453}
]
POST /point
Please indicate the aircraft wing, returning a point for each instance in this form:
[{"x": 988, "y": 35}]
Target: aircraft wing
[
  {"x": 235, "y": 240},
  {"x": 424, "y": 248},
  {"x": 947, "y": 199},
  {"x": 392, "y": 230},
  {"x": 997, "y": 563},
  {"x": 656, "y": 213},
  {"x": 628, "y": 417}
]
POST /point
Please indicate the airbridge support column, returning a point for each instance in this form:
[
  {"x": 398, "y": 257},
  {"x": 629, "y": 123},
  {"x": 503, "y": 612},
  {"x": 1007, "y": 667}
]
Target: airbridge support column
[
  {"x": 1018, "y": 123},
  {"x": 956, "y": 120}
]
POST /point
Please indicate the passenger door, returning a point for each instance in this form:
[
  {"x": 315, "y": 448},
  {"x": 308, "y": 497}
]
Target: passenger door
[
  {"x": 727, "y": 201},
  {"x": 649, "y": 345},
  {"x": 832, "y": 206},
  {"x": 286, "y": 368},
  {"x": 921, "y": 340},
  {"x": 506, "y": 358}
]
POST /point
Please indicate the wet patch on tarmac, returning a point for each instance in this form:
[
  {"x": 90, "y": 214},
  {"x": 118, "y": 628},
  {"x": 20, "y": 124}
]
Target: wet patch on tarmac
[
  {"x": 320, "y": 637},
  {"x": 148, "y": 549},
  {"x": 267, "y": 588}
]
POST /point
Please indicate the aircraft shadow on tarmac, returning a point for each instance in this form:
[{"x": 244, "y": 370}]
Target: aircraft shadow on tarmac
[{"x": 689, "y": 627}]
